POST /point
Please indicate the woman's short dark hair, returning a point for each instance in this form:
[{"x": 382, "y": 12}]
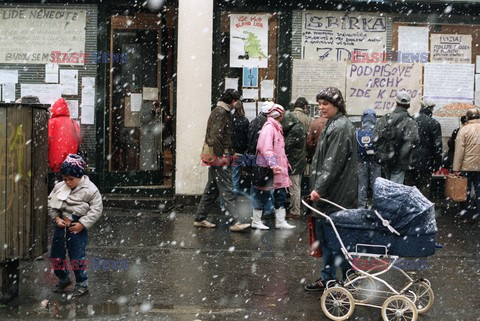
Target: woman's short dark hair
[
  {"x": 229, "y": 96},
  {"x": 334, "y": 96}
]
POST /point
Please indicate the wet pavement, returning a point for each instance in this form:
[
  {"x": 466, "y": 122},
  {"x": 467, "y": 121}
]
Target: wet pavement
[{"x": 178, "y": 272}]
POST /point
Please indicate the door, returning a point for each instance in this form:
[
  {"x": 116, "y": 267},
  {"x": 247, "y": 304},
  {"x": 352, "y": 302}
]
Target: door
[{"x": 137, "y": 115}]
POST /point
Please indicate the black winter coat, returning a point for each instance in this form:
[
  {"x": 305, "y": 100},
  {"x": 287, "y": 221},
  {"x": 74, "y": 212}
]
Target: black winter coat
[
  {"x": 254, "y": 131},
  {"x": 427, "y": 154},
  {"x": 295, "y": 142},
  {"x": 240, "y": 134}
]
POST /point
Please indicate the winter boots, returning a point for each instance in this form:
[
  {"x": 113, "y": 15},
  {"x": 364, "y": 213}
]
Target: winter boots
[
  {"x": 280, "y": 221},
  {"x": 257, "y": 220}
]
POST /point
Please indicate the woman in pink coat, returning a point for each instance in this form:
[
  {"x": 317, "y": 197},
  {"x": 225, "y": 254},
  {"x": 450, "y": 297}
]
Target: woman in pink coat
[{"x": 271, "y": 153}]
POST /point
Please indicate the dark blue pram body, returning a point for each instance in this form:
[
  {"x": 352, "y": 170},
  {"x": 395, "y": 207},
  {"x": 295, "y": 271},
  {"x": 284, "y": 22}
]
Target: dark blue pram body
[{"x": 408, "y": 212}]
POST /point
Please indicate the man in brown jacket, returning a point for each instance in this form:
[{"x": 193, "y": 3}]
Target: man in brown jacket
[
  {"x": 219, "y": 136},
  {"x": 467, "y": 155}
]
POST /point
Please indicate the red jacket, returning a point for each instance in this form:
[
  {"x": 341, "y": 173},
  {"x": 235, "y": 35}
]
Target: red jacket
[{"x": 61, "y": 135}]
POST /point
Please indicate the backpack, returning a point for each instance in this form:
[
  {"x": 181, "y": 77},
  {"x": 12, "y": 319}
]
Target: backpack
[
  {"x": 365, "y": 146},
  {"x": 386, "y": 146}
]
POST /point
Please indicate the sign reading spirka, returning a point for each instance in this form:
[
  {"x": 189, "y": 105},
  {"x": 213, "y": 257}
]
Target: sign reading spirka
[
  {"x": 376, "y": 86},
  {"x": 336, "y": 35},
  {"x": 29, "y": 35}
]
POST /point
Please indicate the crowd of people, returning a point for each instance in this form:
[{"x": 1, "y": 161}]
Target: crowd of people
[{"x": 279, "y": 147}]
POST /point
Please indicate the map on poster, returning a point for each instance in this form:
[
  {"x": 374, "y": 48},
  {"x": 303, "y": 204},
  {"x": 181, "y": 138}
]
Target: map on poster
[
  {"x": 248, "y": 40},
  {"x": 376, "y": 86},
  {"x": 451, "y": 48},
  {"x": 45, "y": 29},
  {"x": 336, "y": 35},
  {"x": 310, "y": 76}
]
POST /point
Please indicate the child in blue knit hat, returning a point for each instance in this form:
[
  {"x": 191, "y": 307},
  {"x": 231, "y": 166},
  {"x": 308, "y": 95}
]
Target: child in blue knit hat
[{"x": 75, "y": 204}]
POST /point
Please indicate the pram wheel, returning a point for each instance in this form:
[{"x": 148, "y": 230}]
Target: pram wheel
[
  {"x": 424, "y": 296},
  {"x": 337, "y": 303},
  {"x": 399, "y": 307}
]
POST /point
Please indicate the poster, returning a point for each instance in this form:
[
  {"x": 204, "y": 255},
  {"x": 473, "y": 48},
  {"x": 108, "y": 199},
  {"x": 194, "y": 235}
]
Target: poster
[
  {"x": 88, "y": 115},
  {"x": 250, "y": 93},
  {"x": 478, "y": 65},
  {"x": 336, "y": 35},
  {"x": 413, "y": 40},
  {"x": 248, "y": 40},
  {"x": 445, "y": 83},
  {"x": 250, "y": 110},
  {"x": 451, "y": 48},
  {"x": 8, "y": 92},
  {"x": 54, "y": 33},
  {"x": 51, "y": 73},
  {"x": 375, "y": 86},
  {"x": 69, "y": 82},
  {"x": 8, "y": 76},
  {"x": 135, "y": 102},
  {"x": 73, "y": 108},
  {"x": 231, "y": 83},
  {"x": 250, "y": 77},
  {"x": 46, "y": 93},
  {"x": 310, "y": 76},
  {"x": 267, "y": 89}
]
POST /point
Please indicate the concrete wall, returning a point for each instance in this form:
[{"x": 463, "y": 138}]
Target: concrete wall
[{"x": 194, "y": 82}]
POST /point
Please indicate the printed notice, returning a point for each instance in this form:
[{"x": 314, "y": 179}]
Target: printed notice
[
  {"x": 231, "y": 83},
  {"x": 69, "y": 82},
  {"x": 336, "y": 35},
  {"x": 267, "y": 88},
  {"x": 445, "y": 83},
  {"x": 46, "y": 93},
  {"x": 310, "y": 76},
  {"x": 88, "y": 115},
  {"x": 73, "y": 108},
  {"x": 413, "y": 39},
  {"x": 136, "y": 102},
  {"x": 250, "y": 110},
  {"x": 8, "y": 92},
  {"x": 51, "y": 73},
  {"x": 8, "y": 76},
  {"x": 250, "y": 93},
  {"x": 451, "y": 48}
]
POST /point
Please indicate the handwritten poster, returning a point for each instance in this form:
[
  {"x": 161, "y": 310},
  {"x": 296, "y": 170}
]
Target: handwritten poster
[
  {"x": 445, "y": 83},
  {"x": 310, "y": 76},
  {"x": 46, "y": 30},
  {"x": 248, "y": 40},
  {"x": 336, "y": 35},
  {"x": 413, "y": 39},
  {"x": 376, "y": 86},
  {"x": 451, "y": 48}
]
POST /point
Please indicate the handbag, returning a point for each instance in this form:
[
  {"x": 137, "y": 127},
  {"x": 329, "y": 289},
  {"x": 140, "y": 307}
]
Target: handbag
[
  {"x": 314, "y": 248},
  {"x": 207, "y": 155},
  {"x": 262, "y": 176},
  {"x": 456, "y": 188}
]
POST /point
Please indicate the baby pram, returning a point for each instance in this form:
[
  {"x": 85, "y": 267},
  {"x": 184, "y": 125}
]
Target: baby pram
[{"x": 402, "y": 223}]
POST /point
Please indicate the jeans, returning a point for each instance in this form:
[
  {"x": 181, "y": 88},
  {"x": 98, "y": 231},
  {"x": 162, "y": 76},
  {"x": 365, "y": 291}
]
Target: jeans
[
  {"x": 368, "y": 171},
  {"x": 219, "y": 183},
  {"x": 473, "y": 180},
  {"x": 395, "y": 175},
  {"x": 260, "y": 198},
  {"x": 237, "y": 173},
  {"x": 75, "y": 244},
  {"x": 332, "y": 259},
  {"x": 268, "y": 208},
  {"x": 295, "y": 191}
]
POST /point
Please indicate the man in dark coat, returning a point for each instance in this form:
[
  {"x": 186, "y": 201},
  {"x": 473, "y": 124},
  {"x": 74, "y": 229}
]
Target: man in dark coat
[
  {"x": 295, "y": 136},
  {"x": 239, "y": 144},
  {"x": 405, "y": 136},
  {"x": 219, "y": 136},
  {"x": 427, "y": 155},
  {"x": 334, "y": 177}
]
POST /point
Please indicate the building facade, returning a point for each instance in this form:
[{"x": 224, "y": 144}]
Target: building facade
[{"x": 142, "y": 76}]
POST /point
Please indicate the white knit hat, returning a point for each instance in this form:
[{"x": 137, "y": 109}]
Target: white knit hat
[{"x": 266, "y": 106}]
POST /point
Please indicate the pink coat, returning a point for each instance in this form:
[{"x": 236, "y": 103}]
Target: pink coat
[{"x": 271, "y": 148}]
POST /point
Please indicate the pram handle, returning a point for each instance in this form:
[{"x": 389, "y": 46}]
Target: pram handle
[{"x": 371, "y": 245}]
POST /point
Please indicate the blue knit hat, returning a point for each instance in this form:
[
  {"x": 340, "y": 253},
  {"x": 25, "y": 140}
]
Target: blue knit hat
[{"x": 73, "y": 165}]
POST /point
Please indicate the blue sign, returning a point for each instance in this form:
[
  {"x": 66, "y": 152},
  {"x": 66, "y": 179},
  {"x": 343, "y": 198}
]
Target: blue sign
[{"x": 250, "y": 77}]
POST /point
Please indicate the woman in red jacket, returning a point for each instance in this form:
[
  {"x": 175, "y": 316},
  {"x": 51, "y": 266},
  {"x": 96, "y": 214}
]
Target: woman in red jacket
[{"x": 63, "y": 135}]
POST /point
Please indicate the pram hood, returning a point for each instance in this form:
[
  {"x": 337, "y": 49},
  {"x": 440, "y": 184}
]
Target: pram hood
[
  {"x": 403, "y": 205},
  {"x": 407, "y": 210}
]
